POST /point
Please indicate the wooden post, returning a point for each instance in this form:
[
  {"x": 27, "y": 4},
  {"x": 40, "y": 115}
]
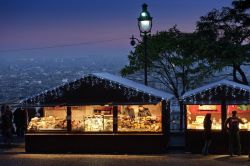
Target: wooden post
[
  {"x": 184, "y": 106},
  {"x": 68, "y": 118},
  {"x": 181, "y": 115},
  {"x": 168, "y": 116},
  {"x": 115, "y": 118},
  {"x": 165, "y": 117},
  {"x": 165, "y": 110},
  {"x": 41, "y": 112},
  {"x": 223, "y": 114}
]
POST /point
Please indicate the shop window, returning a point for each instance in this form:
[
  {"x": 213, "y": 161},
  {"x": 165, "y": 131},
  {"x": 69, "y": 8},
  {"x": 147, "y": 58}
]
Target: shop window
[
  {"x": 130, "y": 118},
  {"x": 139, "y": 118},
  {"x": 243, "y": 112},
  {"x": 54, "y": 119},
  {"x": 92, "y": 119},
  {"x": 197, "y": 113}
]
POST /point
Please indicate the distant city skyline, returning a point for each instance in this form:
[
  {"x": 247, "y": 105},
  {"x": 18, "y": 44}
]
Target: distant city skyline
[
  {"x": 104, "y": 28},
  {"x": 33, "y": 23}
]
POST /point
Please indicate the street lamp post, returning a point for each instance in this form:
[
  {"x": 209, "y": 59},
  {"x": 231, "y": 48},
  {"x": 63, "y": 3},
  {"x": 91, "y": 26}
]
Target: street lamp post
[{"x": 145, "y": 25}]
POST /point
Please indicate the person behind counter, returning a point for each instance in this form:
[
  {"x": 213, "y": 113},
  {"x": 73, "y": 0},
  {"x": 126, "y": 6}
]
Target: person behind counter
[
  {"x": 143, "y": 112},
  {"x": 207, "y": 123},
  {"x": 232, "y": 126},
  {"x": 129, "y": 111}
]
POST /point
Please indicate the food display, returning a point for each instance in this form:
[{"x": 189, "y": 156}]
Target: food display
[
  {"x": 245, "y": 126},
  {"x": 130, "y": 118},
  {"x": 139, "y": 124},
  {"x": 198, "y": 123},
  {"x": 243, "y": 112},
  {"x": 216, "y": 124},
  {"x": 108, "y": 123},
  {"x": 47, "y": 123},
  {"x": 139, "y": 118},
  {"x": 98, "y": 123},
  {"x": 94, "y": 118},
  {"x": 77, "y": 125},
  {"x": 197, "y": 113},
  {"x": 93, "y": 123}
]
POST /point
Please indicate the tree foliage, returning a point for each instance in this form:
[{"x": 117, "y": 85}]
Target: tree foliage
[
  {"x": 225, "y": 39},
  {"x": 241, "y": 4},
  {"x": 172, "y": 61}
]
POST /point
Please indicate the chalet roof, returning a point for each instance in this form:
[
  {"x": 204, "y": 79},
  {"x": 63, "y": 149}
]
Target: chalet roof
[
  {"x": 137, "y": 86},
  {"x": 216, "y": 84},
  {"x": 98, "y": 88}
]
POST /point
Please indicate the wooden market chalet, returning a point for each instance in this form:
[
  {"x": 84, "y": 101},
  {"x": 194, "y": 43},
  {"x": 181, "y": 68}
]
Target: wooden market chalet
[
  {"x": 219, "y": 99},
  {"x": 99, "y": 113}
]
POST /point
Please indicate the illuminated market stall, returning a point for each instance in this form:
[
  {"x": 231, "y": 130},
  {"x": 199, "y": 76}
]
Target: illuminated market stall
[
  {"x": 219, "y": 99},
  {"x": 99, "y": 113}
]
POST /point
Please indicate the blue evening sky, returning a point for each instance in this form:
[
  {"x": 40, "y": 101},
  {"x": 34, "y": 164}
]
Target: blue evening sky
[{"x": 38, "y": 23}]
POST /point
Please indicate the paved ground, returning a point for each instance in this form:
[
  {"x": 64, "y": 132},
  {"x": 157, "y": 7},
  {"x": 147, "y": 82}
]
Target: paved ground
[{"x": 17, "y": 157}]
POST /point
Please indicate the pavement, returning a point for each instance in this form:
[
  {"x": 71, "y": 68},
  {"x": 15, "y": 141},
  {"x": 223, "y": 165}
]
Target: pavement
[
  {"x": 17, "y": 142},
  {"x": 16, "y": 156}
]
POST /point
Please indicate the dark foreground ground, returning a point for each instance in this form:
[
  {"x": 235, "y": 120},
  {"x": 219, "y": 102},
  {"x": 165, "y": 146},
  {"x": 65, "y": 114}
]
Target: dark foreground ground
[{"x": 17, "y": 157}]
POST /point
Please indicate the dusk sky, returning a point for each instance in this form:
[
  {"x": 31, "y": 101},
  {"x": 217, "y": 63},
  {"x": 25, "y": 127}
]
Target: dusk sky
[{"x": 39, "y": 23}]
